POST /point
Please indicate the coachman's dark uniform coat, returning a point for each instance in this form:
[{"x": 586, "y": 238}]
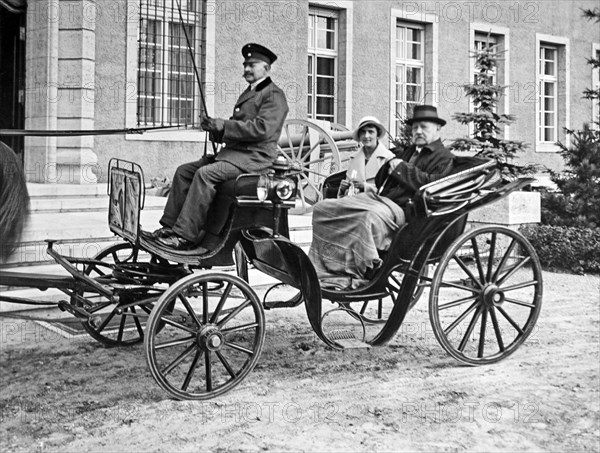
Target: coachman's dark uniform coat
[{"x": 249, "y": 140}]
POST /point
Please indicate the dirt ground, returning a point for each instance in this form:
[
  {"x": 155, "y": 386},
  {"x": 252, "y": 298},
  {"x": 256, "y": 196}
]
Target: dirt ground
[{"x": 74, "y": 395}]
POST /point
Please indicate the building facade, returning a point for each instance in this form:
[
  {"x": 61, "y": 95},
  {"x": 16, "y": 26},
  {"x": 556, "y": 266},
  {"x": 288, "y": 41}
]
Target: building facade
[{"x": 118, "y": 64}]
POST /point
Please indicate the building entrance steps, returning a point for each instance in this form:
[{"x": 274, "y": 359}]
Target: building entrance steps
[{"x": 77, "y": 216}]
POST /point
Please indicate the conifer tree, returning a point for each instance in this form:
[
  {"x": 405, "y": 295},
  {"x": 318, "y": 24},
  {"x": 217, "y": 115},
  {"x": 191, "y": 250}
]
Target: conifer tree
[{"x": 486, "y": 139}]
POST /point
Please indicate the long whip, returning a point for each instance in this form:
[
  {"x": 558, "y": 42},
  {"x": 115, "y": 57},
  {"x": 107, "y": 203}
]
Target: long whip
[{"x": 191, "y": 52}]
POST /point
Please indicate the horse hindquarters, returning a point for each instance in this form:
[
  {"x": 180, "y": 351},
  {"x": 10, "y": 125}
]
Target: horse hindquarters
[{"x": 14, "y": 201}]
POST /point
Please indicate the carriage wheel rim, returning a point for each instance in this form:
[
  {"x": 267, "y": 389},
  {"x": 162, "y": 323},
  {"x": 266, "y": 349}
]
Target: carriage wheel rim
[
  {"x": 490, "y": 298},
  {"x": 207, "y": 343}
]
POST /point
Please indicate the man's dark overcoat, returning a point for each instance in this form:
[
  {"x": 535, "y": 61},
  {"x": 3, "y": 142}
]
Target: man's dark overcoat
[{"x": 433, "y": 162}]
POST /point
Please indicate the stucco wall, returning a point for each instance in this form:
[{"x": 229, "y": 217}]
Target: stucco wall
[{"x": 366, "y": 68}]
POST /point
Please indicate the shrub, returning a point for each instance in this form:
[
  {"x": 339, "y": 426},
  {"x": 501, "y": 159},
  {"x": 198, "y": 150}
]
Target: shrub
[{"x": 566, "y": 248}]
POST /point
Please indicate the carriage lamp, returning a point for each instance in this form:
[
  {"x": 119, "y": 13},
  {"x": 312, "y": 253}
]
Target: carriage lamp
[
  {"x": 285, "y": 189},
  {"x": 276, "y": 185}
]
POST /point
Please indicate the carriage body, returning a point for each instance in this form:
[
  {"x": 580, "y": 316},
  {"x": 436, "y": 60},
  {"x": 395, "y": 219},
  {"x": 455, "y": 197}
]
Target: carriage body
[{"x": 203, "y": 330}]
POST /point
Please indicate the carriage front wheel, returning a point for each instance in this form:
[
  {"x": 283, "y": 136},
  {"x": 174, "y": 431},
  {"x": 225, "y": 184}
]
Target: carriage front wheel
[
  {"x": 486, "y": 295},
  {"x": 204, "y": 336}
]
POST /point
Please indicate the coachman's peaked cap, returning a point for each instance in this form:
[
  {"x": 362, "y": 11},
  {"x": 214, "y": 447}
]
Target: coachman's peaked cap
[
  {"x": 425, "y": 113},
  {"x": 256, "y": 52}
]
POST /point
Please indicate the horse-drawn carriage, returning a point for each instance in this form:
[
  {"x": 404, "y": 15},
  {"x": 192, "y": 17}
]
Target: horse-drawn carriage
[{"x": 203, "y": 329}]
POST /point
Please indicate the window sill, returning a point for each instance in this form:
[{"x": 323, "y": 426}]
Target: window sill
[{"x": 546, "y": 148}]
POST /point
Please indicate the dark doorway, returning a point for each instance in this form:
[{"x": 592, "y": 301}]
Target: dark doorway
[{"x": 12, "y": 76}]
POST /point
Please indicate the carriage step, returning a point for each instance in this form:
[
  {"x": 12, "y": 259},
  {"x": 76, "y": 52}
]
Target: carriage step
[
  {"x": 347, "y": 339},
  {"x": 353, "y": 343}
]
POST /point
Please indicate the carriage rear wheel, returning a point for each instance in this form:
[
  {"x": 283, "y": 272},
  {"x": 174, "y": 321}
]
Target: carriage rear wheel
[
  {"x": 204, "y": 336},
  {"x": 486, "y": 295},
  {"x": 123, "y": 324}
]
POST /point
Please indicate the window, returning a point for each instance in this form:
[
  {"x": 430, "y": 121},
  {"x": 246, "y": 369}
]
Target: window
[
  {"x": 167, "y": 86},
  {"x": 547, "y": 130},
  {"x": 496, "y": 40},
  {"x": 483, "y": 42},
  {"x": 322, "y": 64},
  {"x": 409, "y": 71},
  {"x": 552, "y": 91}
]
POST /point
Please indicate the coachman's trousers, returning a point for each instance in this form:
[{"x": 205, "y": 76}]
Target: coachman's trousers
[{"x": 192, "y": 192}]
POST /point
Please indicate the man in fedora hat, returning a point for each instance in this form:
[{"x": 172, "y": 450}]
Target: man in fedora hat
[
  {"x": 426, "y": 160},
  {"x": 348, "y": 233},
  {"x": 249, "y": 141},
  {"x": 372, "y": 154}
]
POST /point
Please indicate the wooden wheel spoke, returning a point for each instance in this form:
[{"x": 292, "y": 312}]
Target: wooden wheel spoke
[
  {"x": 250, "y": 325},
  {"x": 520, "y": 286},
  {"x": 313, "y": 147},
  {"x": 364, "y": 307},
  {"x": 510, "y": 320},
  {"x": 289, "y": 137},
  {"x": 460, "y": 319},
  {"x": 226, "y": 364},
  {"x": 512, "y": 271},
  {"x": 497, "y": 330},
  {"x": 224, "y": 297},
  {"x": 237, "y": 347},
  {"x": 189, "y": 309},
  {"x": 491, "y": 257},
  {"x": 138, "y": 325},
  {"x": 204, "y": 303},
  {"x": 481, "y": 348},
  {"x": 122, "y": 325},
  {"x": 456, "y": 303},
  {"x": 477, "y": 258},
  {"x": 180, "y": 358},
  {"x": 178, "y": 325},
  {"x": 311, "y": 183},
  {"x": 175, "y": 342},
  {"x": 234, "y": 313},
  {"x": 314, "y": 173},
  {"x": 464, "y": 267},
  {"x": 208, "y": 365},
  {"x": 446, "y": 284},
  {"x": 504, "y": 259},
  {"x": 469, "y": 331},
  {"x": 190, "y": 373},
  {"x": 519, "y": 302},
  {"x": 304, "y": 134},
  {"x": 316, "y": 161},
  {"x": 396, "y": 280},
  {"x": 107, "y": 320}
]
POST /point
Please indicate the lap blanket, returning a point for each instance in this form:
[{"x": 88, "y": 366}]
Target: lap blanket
[{"x": 347, "y": 234}]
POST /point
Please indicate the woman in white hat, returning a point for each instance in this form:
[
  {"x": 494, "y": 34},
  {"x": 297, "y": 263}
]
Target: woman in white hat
[{"x": 366, "y": 162}]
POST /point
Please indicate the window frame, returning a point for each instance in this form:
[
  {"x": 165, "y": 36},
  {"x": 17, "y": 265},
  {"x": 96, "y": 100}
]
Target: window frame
[
  {"x": 430, "y": 23},
  {"x": 407, "y": 63},
  {"x": 562, "y": 102},
  {"x": 545, "y": 80},
  {"x": 315, "y": 52},
  {"x": 206, "y": 29},
  {"x": 502, "y": 38}
]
